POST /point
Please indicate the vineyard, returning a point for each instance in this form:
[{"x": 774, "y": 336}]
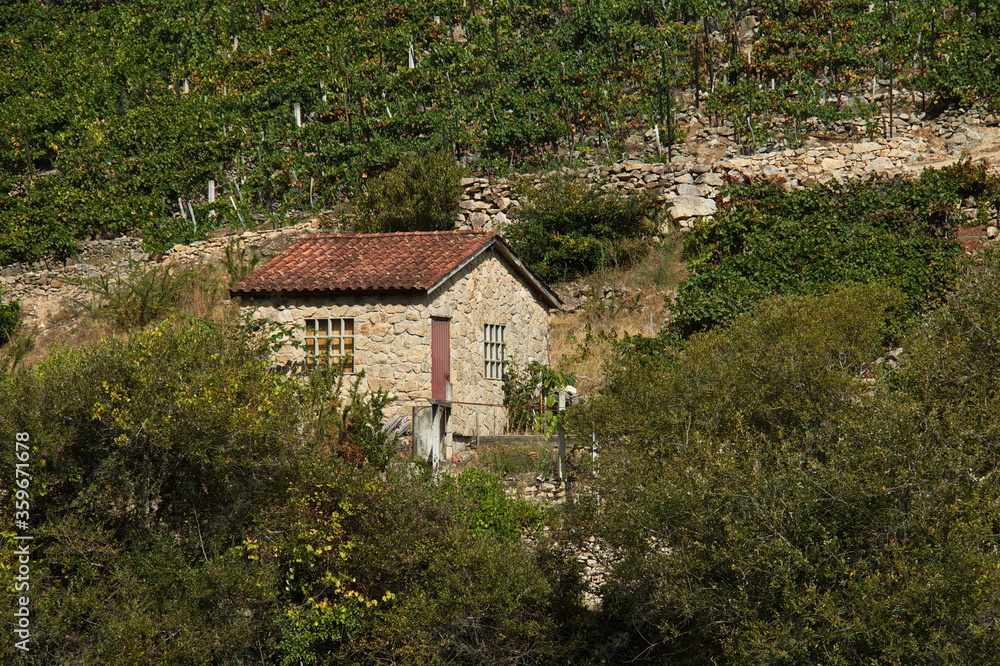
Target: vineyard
[
  {"x": 776, "y": 229},
  {"x": 135, "y": 116}
]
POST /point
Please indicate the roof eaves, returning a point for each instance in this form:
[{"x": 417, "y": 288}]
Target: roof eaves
[{"x": 261, "y": 293}]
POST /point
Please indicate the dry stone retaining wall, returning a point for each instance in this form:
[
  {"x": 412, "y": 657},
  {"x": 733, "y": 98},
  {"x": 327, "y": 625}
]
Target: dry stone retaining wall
[
  {"x": 539, "y": 489},
  {"x": 596, "y": 559},
  {"x": 688, "y": 187},
  {"x": 51, "y": 279}
]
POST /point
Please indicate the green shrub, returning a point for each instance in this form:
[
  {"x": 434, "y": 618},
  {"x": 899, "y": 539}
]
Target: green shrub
[
  {"x": 572, "y": 228},
  {"x": 971, "y": 182},
  {"x": 965, "y": 178},
  {"x": 953, "y": 357},
  {"x": 161, "y": 233},
  {"x": 10, "y": 317},
  {"x": 137, "y": 297},
  {"x": 769, "y": 241},
  {"x": 420, "y": 193},
  {"x": 776, "y": 500},
  {"x": 384, "y": 566},
  {"x": 483, "y": 507},
  {"x": 787, "y": 366},
  {"x": 173, "y": 417},
  {"x": 151, "y": 454}
]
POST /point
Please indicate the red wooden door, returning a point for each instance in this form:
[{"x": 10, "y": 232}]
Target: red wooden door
[{"x": 440, "y": 358}]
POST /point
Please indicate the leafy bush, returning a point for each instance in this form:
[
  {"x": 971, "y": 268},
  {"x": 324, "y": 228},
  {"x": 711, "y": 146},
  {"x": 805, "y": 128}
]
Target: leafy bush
[
  {"x": 953, "y": 357},
  {"x": 10, "y": 318},
  {"x": 485, "y": 509},
  {"x": 161, "y": 233},
  {"x": 966, "y": 178},
  {"x": 572, "y": 228},
  {"x": 769, "y": 242},
  {"x": 381, "y": 566},
  {"x": 777, "y": 499},
  {"x": 148, "y": 427},
  {"x": 139, "y": 296},
  {"x": 804, "y": 354},
  {"x": 529, "y": 394},
  {"x": 420, "y": 193}
]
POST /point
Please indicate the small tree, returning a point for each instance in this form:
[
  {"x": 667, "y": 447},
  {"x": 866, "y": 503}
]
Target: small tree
[
  {"x": 529, "y": 393},
  {"x": 572, "y": 228},
  {"x": 420, "y": 193}
]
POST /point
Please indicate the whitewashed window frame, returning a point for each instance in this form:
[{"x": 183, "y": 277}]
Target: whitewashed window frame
[{"x": 494, "y": 350}]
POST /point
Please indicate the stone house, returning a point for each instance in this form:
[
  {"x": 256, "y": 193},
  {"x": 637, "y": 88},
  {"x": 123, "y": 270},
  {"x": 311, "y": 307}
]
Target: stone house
[{"x": 431, "y": 317}]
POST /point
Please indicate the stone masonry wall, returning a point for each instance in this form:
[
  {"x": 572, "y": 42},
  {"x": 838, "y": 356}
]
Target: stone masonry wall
[
  {"x": 688, "y": 185},
  {"x": 393, "y": 344},
  {"x": 489, "y": 293},
  {"x": 688, "y": 189}
]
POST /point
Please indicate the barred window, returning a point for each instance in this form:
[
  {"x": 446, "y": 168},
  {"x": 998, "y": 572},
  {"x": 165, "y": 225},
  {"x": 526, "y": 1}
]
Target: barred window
[
  {"x": 494, "y": 350},
  {"x": 330, "y": 338}
]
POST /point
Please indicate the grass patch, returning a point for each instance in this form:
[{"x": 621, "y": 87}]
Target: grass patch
[
  {"x": 581, "y": 339},
  {"x": 527, "y": 458}
]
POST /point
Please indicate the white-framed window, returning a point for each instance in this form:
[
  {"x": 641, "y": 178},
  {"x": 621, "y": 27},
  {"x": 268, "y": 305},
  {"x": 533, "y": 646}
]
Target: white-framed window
[
  {"x": 332, "y": 338},
  {"x": 494, "y": 350}
]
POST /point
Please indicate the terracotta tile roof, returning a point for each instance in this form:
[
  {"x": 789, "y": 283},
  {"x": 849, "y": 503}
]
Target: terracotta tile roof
[{"x": 333, "y": 263}]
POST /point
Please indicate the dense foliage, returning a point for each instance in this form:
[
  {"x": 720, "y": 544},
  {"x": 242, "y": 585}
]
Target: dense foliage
[
  {"x": 779, "y": 498},
  {"x": 778, "y": 490},
  {"x": 774, "y": 485},
  {"x": 10, "y": 317},
  {"x": 572, "y": 227},
  {"x": 768, "y": 241},
  {"x": 189, "y": 505},
  {"x": 421, "y": 193},
  {"x": 115, "y": 115}
]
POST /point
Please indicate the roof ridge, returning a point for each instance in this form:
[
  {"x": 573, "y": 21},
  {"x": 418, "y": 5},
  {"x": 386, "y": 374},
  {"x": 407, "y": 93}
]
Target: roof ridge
[
  {"x": 387, "y": 262},
  {"x": 398, "y": 234}
]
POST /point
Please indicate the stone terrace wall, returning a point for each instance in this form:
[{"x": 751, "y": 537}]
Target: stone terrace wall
[
  {"x": 687, "y": 187},
  {"x": 688, "y": 190},
  {"x": 53, "y": 281},
  {"x": 539, "y": 489}
]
